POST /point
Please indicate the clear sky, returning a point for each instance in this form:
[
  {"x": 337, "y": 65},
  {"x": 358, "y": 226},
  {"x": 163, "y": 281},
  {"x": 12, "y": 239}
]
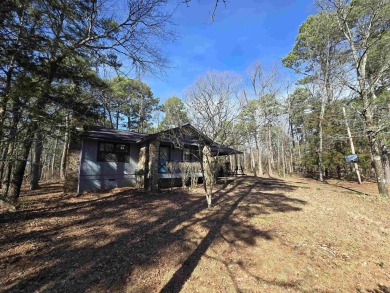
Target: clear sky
[{"x": 244, "y": 31}]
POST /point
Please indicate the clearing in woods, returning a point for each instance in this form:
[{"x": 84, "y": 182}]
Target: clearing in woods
[{"x": 263, "y": 235}]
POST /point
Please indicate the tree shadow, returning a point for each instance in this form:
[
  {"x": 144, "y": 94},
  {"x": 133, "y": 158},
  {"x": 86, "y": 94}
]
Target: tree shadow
[
  {"x": 99, "y": 243},
  {"x": 379, "y": 289},
  {"x": 239, "y": 230}
]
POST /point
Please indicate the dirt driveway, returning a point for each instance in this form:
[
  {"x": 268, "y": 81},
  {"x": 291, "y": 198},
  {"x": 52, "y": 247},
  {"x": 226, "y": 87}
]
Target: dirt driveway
[{"x": 263, "y": 235}]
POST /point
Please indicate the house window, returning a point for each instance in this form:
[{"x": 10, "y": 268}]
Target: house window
[
  {"x": 186, "y": 155},
  {"x": 194, "y": 155},
  {"x": 164, "y": 157},
  {"x": 113, "y": 152}
]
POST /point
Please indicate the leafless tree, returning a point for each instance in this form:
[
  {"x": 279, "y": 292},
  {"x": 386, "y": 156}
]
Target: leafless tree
[{"x": 213, "y": 106}]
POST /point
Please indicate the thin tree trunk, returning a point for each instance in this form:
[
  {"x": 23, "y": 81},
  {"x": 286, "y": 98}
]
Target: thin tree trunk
[
  {"x": 65, "y": 148},
  {"x": 299, "y": 153},
  {"x": 3, "y": 162},
  {"x": 320, "y": 136},
  {"x": 386, "y": 163},
  {"x": 53, "y": 159},
  {"x": 270, "y": 153},
  {"x": 45, "y": 170},
  {"x": 208, "y": 175},
  {"x": 291, "y": 158},
  {"x": 8, "y": 170},
  {"x": 244, "y": 160},
  {"x": 36, "y": 165},
  {"x": 278, "y": 159},
  {"x": 259, "y": 155},
  {"x": 253, "y": 164},
  {"x": 283, "y": 160},
  {"x": 260, "y": 163}
]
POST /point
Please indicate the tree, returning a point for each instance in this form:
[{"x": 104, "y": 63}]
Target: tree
[
  {"x": 133, "y": 99},
  {"x": 48, "y": 46},
  {"x": 175, "y": 113},
  {"x": 365, "y": 29},
  {"x": 266, "y": 85},
  {"x": 213, "y": 107},
  {"x": 314, "y": 55}
]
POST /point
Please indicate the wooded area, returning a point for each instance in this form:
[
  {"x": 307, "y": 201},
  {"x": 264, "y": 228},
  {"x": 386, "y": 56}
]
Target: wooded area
[{"x": 53, "y": 54}]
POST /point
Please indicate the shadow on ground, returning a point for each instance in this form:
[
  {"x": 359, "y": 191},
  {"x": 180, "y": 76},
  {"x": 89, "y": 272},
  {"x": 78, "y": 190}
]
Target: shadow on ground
[{"x": 97, "y": 241}]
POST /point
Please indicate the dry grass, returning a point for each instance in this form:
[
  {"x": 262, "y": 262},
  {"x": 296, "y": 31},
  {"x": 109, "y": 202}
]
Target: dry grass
[{"x": 263, "y": 235}]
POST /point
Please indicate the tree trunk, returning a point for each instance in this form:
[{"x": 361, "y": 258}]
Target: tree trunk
[
  {"x": 253, "y": 163},
  {"x": 117, "y": 119},
  {"x": 45, "y": 166},
  {"x": 291, "y": 158},
  {"x": 8, "y": 169},
  {"x": 53, "y": 159},
  {"x": 278, "y": 158},
  {"x": 3, "y": 162},
  {"x": 299, "y": 154},
  {"x": 386, "y": 163},
  {"x": 36, "y": 165},
  {"x": 259, "y": 155},
  {"x": 260, "y": 163},
  {"x": 376, "y": 152},
  {"x": 65, "y": 148},
  {"x": 20, "y": 167},
  {"x": 270, "y": 153},
  {"x": 11, "y": 145},
  {"x": 320, "y": 137},
  {"x": 208, "y": 174},
  {"x": 283, "y": 161},
  {"x": 244, "y": 161}
]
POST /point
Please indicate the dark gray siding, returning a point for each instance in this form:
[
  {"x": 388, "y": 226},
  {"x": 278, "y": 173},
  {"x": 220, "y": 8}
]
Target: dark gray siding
[{"x": 94, "y": 175}]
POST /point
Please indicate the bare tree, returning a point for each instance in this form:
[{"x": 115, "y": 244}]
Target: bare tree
[
  {"x": 213, "y": 106},
  {"x": 266, "y": 85}
]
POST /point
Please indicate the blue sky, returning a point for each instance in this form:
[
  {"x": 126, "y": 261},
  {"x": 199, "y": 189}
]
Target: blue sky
[{"x": 244, "y": 31}]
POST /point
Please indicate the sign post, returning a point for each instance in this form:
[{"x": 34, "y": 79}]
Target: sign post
[{"x": 352, "y": 148}]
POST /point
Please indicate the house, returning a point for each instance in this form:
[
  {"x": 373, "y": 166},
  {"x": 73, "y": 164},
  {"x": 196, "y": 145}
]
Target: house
[{"x": 103, "y": 158}]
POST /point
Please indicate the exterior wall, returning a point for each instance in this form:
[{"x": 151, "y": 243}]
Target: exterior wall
[{"x": 94, "y": 175}]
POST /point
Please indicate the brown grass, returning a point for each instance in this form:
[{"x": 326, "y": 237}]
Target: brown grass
[{"x": 263, "y": 235}]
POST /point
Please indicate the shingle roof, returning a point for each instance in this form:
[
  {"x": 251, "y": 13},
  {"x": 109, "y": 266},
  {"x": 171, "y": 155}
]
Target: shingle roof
[
  {"x": 111, "y": 134},
  {"x": 114, "y": 134}
]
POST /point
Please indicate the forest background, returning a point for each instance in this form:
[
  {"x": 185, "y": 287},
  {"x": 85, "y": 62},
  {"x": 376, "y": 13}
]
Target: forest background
[{"x": 53, "y": 54}]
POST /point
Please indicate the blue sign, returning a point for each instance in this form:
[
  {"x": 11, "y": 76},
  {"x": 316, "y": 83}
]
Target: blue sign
[{"x": 351, "y": 158}]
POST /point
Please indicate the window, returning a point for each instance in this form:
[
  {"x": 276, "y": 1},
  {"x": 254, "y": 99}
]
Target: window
[
  {"x": 113, "y": 152},
  {"x": 186, "y": 155},
  {"x": 194, "y": 155},
  {"x": 164, "y": 157}
]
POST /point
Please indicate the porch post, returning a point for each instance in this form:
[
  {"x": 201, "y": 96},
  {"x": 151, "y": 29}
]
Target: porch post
[{"x": 154, "y": 148}]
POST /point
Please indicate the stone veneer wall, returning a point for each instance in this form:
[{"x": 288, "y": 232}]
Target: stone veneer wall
[
  {"x": 154, "y": 148},
  {"x": 142, "y": 166},
  {"x": 72, "y": 171},
  {"x": 72, "y": 164}
]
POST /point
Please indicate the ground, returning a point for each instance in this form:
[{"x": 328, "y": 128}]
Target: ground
[{"x": 262, "y": 235}]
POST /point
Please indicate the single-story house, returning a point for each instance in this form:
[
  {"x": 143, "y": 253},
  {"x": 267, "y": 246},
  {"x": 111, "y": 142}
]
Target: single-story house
[{"x": 105, "y": 158}]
